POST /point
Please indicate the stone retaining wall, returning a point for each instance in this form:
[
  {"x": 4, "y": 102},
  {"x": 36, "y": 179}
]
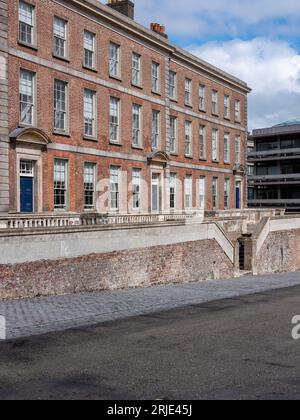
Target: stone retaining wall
[
  {"x": 279, "y": 253},
  {"x": 177, "y": 263}
]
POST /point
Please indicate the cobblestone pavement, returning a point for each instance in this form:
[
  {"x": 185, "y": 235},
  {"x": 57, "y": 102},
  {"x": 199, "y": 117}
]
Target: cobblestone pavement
[{"x": 42, "y": 315}]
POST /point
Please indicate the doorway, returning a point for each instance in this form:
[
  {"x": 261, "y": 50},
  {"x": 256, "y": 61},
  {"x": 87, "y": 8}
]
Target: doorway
[
  {"x": 238, "y": 188},
  {"x": 156, "y": 193},
  {"x": 26, "y": 186}
]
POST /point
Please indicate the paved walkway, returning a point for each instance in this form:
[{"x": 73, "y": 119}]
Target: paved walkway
[{"x": 42, "y": 315}]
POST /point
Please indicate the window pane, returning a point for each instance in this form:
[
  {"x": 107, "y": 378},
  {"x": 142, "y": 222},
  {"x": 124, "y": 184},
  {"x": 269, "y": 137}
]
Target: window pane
[
  {"x": 114, "y": 120},
  {"x": 226, "y": 192},
  {"x": 202, "y": 98},
  {"x": 89, "y": 185},
  {"x": 60, "y": 106},
  {"x": 26, "y": 97},
  {"x": 26, "y": 22},
  {"x": 202, "y": 192},
  {"x": 155, "y": 77},
  {"x": 114, "y": 187},
  {"x": 202, "y": 142},
  {"x": 226, "y": 147},
  {"x": 60, "y": 36},
  {"x": 89, "y": 49},
  {"x": 172, "y": 85},
  {"x": 173, "y": 190},
  {"x": 188, "y": 91},
  {"x": 136, "y": 181},
  {"x": 136, "y": 125},
  {"x": 188, "y": 138},
  {"x": 89, "y": 113},
  {"x": 188, "y": 191},
  {"x": 215, "y": 144},
  {"x": 60, "y": 184},
  {"x": 215, "y": 193},
  {"x": 173, "y": 134},
  {"x": 114, "y": 56},
  {"x": 155, "y": 129},
  {"x": 136, "y": 69}
]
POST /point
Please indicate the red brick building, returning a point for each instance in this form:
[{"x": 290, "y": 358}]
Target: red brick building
[{"x": 99, "y": 113}]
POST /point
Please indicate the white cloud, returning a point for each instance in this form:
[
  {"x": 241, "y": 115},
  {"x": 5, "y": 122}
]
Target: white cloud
[
  {"x": 271, "y": 69},
  {"x": 230, "y": 18}
]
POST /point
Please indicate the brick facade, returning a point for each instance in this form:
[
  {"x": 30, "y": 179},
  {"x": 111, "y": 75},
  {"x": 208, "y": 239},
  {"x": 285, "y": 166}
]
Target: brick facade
[{"x": 110, "y": 26}]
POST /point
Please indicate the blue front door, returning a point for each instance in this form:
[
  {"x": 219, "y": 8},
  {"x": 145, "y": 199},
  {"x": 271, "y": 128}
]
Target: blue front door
[
  {"x": 238, "y": 197},
  {"x": 26, "y": 194}
]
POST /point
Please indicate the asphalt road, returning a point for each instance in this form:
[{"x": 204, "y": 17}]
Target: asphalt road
[{"x": 238, "y": 348}]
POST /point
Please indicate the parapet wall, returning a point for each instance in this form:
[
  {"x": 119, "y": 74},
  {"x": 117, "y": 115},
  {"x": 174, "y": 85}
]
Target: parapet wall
[{"x": 75, "y": 242}]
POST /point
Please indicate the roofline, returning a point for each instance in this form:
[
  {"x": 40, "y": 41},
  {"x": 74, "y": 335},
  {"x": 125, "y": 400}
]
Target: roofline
[
  {"x": 114, "y": 17},
  {"x": 275, "y": 131}
]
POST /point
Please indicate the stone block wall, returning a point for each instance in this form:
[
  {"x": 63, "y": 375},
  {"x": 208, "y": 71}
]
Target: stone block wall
[
  {"x": 279, "y": 253},
  {"x": 143, "y": 267}
]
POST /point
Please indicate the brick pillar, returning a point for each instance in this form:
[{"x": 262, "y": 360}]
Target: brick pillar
[{"x": 4, "y": 134}]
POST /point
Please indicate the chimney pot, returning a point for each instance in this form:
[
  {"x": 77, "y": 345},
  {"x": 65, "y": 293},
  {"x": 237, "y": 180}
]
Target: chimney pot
[{"x": 159, "y": 29}]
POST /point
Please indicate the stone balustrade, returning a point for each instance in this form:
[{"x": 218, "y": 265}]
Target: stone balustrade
[
  {"x": 39, "y": 221},
  {"x": 45, "y": 221}
]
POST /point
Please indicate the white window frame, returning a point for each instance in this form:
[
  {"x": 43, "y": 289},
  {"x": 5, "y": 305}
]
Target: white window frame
[
  {"x": 227, "y": 193},
  {"x": 60, "y": 37},
  {"x": 136, "y": 79},
  {"x": 155, "y": 77},
  {"x": 215, "y": 192},
  {"x": 215, "y": 102},
  {"x": 89, "y": 181},
  {"x": 202, "y": 98},
  {"x": 89, "y": 50},
  {"x": 90, "y": 113},
  {"x": 173, "y": 135},
  {"x": 136, "y": 125},
  {"x": 202, "y": 192},
  {"x": 237, "y": 150},
  {"x": 61, "y": 110},
  {"x": 188, "y": 192},
  {"x": 237, "y": 111},
  {"x": 136, "y": 188},
  {"x": 173, "y": 85},
  {"x": 155, "y": 129},
  {"x": 227, "y": 107},
  {"x": 114, "y": 120},
  {"x": 202, "y": 142},
  {"x": 188, "y": 145},
  {"x": 27, "y": 101},
  {"x": 188, "y": 91},
  {"x": 114, "y": 60},
  {"x": 64, "y": 163},
  {"x": 27, "y": 22},
  {"x": 215, "y": 145},
  {"x": 173, "y": 190},
  {"x": 227, "y": 149},
  {"x": 115, "y": 177}
]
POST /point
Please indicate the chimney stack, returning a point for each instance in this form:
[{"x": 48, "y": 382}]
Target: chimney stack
[
  {"x": 126, "y": 7},
  {"x": 159, "y": 29}
]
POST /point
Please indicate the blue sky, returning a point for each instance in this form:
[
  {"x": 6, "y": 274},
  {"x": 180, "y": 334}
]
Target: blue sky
[{"x": 257, "y": 40}]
